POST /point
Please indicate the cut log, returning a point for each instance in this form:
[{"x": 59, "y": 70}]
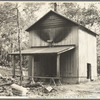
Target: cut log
[{"x": 19, "y": 90}]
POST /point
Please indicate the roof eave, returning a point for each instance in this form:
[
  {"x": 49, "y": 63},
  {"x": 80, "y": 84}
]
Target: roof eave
[
  {"x": 28, "y": 29},
  {"x": 88, "y": 30}
]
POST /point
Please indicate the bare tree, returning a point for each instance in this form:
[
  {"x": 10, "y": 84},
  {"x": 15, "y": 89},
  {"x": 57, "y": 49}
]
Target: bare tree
[{"x": 19, "y": 44}]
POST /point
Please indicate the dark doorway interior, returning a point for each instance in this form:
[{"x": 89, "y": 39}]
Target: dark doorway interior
[
  {"x": 45, "y": 65},
  {"x": 88, "y": 71}
]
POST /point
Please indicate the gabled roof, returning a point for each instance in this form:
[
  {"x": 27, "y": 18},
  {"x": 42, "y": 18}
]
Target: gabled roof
[{"x": 80, "y": 26}]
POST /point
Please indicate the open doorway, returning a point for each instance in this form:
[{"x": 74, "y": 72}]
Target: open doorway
[
  {"x": 88, "y": 71},
  {"x": 45, "y": 65}
]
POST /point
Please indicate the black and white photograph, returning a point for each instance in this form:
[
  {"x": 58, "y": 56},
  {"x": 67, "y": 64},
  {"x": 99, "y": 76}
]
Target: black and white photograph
[{"x": 50, "y": 49}]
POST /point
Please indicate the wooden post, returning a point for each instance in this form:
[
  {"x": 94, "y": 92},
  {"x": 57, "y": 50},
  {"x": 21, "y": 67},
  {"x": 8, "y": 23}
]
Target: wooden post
[
  {"x": 13, "y": 69},
  {"x": 58, "y": 65},
  {"x": 30, "y": 67},
  {"x": 33, "y": 69}
]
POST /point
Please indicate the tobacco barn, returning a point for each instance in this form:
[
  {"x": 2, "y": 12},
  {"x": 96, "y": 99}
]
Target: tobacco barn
[{"x": 61, "y": 49}]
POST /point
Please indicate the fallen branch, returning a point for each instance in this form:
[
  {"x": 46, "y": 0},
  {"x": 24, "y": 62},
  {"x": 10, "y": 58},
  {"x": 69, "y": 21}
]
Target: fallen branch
[{"x": 6, "y": 84}]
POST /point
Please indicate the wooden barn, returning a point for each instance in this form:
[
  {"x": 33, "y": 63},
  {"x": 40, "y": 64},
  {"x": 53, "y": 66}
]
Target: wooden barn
[{"x": 61, "y": 49}]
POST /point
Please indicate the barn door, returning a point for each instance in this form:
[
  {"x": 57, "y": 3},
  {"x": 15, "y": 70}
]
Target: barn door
[{"x": 88, "y": 71}]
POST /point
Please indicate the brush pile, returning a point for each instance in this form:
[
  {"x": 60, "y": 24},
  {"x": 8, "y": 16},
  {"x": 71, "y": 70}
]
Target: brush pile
[{"x": 5, "y": 82}]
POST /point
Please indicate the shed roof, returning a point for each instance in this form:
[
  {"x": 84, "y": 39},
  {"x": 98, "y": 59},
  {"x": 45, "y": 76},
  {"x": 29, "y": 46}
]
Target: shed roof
[
  {"x": 80, "y": 26},
  {"x": 46, "y": 50}
]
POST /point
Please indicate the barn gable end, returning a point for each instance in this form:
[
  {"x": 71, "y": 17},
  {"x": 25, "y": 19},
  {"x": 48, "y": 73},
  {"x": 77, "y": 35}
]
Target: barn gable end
[{"x": 51, "y": 20}]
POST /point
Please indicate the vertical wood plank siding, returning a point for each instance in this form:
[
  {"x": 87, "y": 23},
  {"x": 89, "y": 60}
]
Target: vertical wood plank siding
[
  {"x": 69, "y": 61},
  {"x": 67, "y": 39},
  {"x": 87, "y": 54},
  {"x": 50, "y": 26},
  {"x": 67, "y": 35}
]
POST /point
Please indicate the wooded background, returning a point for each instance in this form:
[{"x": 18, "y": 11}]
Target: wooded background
[{"x": 86, "y": 14}]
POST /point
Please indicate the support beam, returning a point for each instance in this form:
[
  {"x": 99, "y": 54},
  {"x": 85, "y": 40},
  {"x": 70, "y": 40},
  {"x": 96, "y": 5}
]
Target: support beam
[
  {"x": 33, "y": 69},
  {"x": 30, "y": 66},
  {"x": 13, "y": 67},
  {"x": 58, "y": 65}
]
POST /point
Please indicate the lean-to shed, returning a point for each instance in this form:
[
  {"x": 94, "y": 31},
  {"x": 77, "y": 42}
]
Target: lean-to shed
[{"x": 61, "y": 48}]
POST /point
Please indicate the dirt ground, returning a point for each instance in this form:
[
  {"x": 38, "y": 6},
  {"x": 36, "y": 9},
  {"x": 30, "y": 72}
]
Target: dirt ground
[{"x": 83, "y": 90}]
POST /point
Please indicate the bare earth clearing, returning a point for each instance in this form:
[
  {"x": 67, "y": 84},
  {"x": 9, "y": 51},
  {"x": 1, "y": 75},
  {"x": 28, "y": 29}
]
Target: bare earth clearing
[{"x": 82, "y": 90}]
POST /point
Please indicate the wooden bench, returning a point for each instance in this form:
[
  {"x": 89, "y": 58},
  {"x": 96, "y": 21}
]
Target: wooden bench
[{"x": 52, "y": 79}]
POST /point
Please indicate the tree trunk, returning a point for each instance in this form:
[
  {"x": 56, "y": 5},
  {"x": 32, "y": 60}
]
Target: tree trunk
[{"x": 19, "y": 43}]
